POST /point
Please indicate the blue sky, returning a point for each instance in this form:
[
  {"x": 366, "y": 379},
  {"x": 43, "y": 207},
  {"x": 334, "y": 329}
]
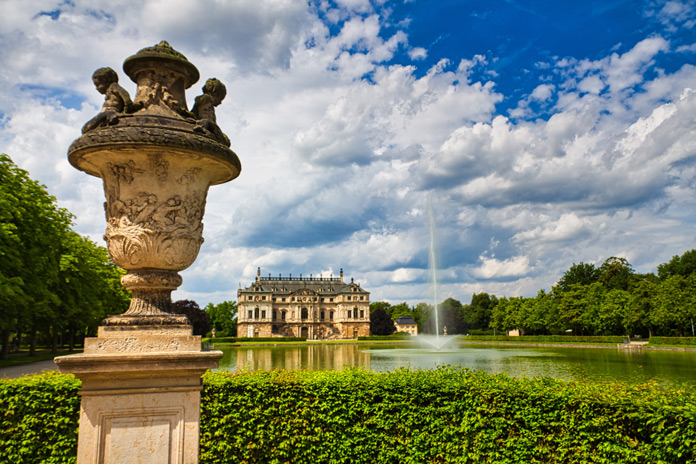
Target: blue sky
[{"x": 547, "y": 133}]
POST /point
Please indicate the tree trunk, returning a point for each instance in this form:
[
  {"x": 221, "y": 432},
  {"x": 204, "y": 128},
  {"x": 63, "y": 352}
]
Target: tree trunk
[
  {"x": 32, "y": 342},
  {"x": 54, "y": 342},
  {"x": 5, "y": 343},
  {"x": 72, "y": 339},
  {"x": 19, "y": 339}
]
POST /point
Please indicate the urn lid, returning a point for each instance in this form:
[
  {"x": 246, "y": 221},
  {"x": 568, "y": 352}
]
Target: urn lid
[{"x": 163, "y": 53}]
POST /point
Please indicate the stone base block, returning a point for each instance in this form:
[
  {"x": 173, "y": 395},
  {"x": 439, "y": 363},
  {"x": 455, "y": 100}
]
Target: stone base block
[{"x": 140, "y": 396}]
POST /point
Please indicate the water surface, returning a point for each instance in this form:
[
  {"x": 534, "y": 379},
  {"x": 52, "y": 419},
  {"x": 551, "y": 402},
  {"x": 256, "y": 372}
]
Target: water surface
[{"x": 596, "y": 365}]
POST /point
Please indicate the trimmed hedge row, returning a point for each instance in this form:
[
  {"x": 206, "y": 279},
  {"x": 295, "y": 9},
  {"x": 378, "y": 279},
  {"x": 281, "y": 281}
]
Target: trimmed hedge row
[
  {"x": 546, "y": 338},
  {"x": 39, "y": 419},
  {"x": 446, "y": 415},
  {"x": 672, "y": 340},
  {"x": 254, "y": 339},
  {"x": 394, "y": 336}
]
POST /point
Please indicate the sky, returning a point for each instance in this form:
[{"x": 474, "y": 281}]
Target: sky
[{"x": 544, "y": 133}]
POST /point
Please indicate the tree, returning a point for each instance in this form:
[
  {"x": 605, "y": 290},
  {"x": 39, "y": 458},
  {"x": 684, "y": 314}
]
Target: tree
[
  {"x": 578, "y": 274},
  {"x": 223, "y": 318},
  {"x": 616, "y": 274},
  {"x": 32, "y": 227},
  {"x": 614, "y": 309},
  {"x": 375, "y": 305},
  {"x": 449, "y": 315},
  {"x": 640, "y": 306},
  {"x": 381, "y": 323},
  {"x": 683, "y": 265},
  {"x": 674, "y": 306},
  {"x": 199, "y": 319},
  {"x": 421, "y": 313},
  {"x": 477, "y": 315}
]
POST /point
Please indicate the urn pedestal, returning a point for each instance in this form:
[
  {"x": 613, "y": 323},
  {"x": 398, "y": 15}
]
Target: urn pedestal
[{"x": 141, "y": 376}]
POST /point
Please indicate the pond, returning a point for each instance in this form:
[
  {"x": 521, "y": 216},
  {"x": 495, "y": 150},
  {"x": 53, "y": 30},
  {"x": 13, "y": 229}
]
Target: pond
[{"x": 667, "y": 368}]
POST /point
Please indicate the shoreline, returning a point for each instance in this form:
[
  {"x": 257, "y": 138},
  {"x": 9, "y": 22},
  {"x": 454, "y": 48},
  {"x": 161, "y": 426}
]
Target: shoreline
[{"x": 612, "y": 346}]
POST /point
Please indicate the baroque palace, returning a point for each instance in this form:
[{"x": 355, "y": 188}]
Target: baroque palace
[{"x": 318, "y": 308}]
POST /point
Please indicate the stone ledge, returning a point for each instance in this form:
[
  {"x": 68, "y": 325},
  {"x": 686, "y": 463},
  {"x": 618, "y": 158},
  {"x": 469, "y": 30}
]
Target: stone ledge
[
  {"x": 152, "y": 366},
  {"x": 136, "y": 342}
]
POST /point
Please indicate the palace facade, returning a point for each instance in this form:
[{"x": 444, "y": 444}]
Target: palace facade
[{"x": 318, "y": 308}]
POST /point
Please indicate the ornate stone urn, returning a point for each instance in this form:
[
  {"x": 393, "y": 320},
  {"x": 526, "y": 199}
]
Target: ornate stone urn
[
  {"x": 157, "y": 161},
  {"x": 141, "y": 376}
]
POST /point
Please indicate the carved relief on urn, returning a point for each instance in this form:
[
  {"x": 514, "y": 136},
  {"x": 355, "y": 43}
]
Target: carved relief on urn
[{"x": 157, "y": 161}]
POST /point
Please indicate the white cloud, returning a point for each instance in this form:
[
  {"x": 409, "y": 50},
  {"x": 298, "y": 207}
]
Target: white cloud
[
  {"x": 417, "y": 53},
  {"x": 340, "y": 145},
  {"x": 491, "y": 268}
]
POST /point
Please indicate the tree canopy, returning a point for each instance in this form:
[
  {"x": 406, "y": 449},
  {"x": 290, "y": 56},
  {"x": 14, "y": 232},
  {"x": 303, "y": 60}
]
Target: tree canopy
[
  {"x": 53, "y": 282},
  {"x": 381, "y": 323},
  {"x": 223, "y": 318}
]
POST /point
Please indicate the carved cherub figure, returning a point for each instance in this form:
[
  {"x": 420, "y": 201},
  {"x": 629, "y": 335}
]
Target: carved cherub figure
[
  {"x": 116, "y": 99},
  {"x": 203, "y": 109}
]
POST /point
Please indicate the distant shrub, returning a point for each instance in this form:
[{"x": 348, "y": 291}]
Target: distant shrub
[
  {"x": 672, "y": 340},
  {"x": 546, "y": 338},
  {"x": 394, "y": 336},
  {"x": 255, "y": 339}
]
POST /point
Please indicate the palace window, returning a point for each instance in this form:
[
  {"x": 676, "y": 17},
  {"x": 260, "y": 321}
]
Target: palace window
[
  {"x": 362, "y": 314},
  {"x": 305, "y": 313},
  {"x": 282, "y": 315},
  {"x": 322, "y": 315},
  {"x": 263, "y": 297},
  {"x": 250, "y": 314},
  {"x": 348, "y": 298},
  {"x": 263, "y": 314},
  {"x": 350, "y": 314},
  {"x": 256, "y": 313},
  {"x": 331, "y": 315},
  {"x": 283, "y": 300}
]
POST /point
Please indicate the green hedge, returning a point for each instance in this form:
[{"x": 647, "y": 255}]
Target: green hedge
[
  {"x": 672, "y": 340},
  {"x": 446, "y": 415},
  {"x": 394, "y": 336},
  {"x": 39, "y": 419},
  {"x": 217, "y": 340},
  {"x": 546, "y": 338}
]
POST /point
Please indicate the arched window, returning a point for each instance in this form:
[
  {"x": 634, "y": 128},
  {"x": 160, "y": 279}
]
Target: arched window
[
  {"x": 256, "y": 312},
  {"x": 305, "y": 313}
]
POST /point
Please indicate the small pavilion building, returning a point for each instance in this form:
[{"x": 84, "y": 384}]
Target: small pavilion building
[{"x": 406, "y": 324}]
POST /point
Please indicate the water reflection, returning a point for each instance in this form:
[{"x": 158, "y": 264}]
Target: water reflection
[{"x": 597, "y": 365}]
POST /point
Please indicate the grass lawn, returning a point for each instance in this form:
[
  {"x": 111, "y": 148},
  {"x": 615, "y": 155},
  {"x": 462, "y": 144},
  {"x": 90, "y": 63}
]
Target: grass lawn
[{"x": 22, "y": 357}]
